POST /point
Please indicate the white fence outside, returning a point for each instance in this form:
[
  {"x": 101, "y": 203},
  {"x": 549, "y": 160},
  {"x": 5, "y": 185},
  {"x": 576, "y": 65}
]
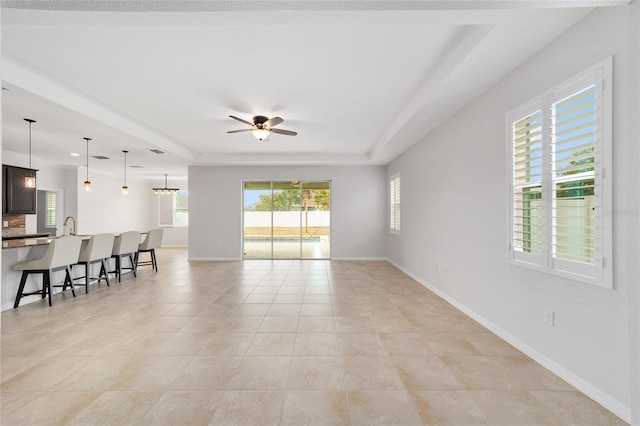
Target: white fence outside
[{"x": 287, "y": 219}]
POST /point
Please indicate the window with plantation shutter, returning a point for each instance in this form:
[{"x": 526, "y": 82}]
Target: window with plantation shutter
[
  {"x": 394, "y": 204},
  {"x": 51, "y": 202},
  {"x": 528, "y": 170},
  {"x": 166, "y": 210},
  {"x": 560, "y": 198},
  {"x": 173, "y": 209}
]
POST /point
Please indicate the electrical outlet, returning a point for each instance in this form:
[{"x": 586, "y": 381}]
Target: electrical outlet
[
  {"x": 5, "y": 223},
  {"x": 549, "y": 317}
]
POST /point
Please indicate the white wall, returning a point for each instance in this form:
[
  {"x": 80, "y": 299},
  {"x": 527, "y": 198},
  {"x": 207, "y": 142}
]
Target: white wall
[
  {"x": 633, "y": 205},
  {"x": 106, "y": 209},
  {"x": 215, "y": 208},
  {"x": 454, "y": 216}
]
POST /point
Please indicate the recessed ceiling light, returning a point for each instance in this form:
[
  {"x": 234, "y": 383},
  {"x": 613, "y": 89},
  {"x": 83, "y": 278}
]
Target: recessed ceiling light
[
  {"x": 137, "y": 167},
  {"x": 156, "y": 151},
  {"x": 74, "y": 154},
  {"x": 100, "y": 157}
]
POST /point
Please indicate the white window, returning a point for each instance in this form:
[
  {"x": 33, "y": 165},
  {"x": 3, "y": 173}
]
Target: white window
[
  {"x": 173, "y": 210},
  {"x": 394, "y": 204},
  {"x": 560, "y": 165},
  {"x": 51, "y": 209}
]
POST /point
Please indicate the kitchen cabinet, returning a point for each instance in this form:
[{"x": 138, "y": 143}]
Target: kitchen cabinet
[{"x": 17, "y": 199}]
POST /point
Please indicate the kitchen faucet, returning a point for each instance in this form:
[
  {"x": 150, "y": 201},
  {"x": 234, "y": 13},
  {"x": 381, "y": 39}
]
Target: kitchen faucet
[{"x": 73, "y": 228}]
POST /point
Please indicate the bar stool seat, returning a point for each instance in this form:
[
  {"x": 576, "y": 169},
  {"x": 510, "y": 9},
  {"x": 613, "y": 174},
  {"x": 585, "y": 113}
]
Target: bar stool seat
[
  {"x": 125, "y": 245},
  {"x": 151, "y": 242},
  {"x": 96, "y": 250},
  {"x": 60, "y": 255}
]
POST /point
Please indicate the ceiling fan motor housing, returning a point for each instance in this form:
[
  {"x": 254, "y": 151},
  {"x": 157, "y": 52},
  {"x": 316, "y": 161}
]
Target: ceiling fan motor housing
[{"x": 259, "y": 120}]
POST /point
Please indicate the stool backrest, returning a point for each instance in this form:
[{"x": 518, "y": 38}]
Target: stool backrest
[
  {"x": 64, "y": 251},
  {"x": 152, "y": 240},
  {"x": 98, "y": 247},
  {"x": 126, "y": 243}
]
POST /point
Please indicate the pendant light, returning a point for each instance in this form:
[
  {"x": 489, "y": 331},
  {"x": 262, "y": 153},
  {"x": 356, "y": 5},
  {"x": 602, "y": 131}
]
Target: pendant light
[
  {"x": 30, "y": 178},
  {"x": 165, "y": 190},
  {"x": 125, "y": 188},
  {"x": 87, "y": 183}
]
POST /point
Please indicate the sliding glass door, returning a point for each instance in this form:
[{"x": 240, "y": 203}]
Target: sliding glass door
[{"x": 286, "y": 220}]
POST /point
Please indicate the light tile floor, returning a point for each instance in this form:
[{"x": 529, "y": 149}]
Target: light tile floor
[{"x": 260, "y": 343}]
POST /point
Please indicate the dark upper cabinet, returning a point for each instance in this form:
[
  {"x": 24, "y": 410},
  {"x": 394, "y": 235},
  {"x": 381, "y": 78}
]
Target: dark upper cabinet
[{"x": 16, "y": 198}]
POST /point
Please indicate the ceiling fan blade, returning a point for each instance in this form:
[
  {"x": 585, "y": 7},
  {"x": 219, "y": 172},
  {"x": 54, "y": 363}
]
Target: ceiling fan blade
[
  {"x": 273, "y": 122},
  {"x": 284, "y": 132},
  {"x": 241, "y": 120},
  {"x": 238, "y": 131}
]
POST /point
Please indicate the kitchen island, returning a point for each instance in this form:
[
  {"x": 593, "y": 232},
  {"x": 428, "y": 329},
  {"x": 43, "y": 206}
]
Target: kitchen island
[{"x": 16, "y": 250}]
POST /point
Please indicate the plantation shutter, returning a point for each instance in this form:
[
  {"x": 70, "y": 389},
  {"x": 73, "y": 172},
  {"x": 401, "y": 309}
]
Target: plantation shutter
[
  {"x": 394, "y": 207},
  {"x": 528, "y": 169},
  {"x": 51, "y": 209},
  {"x": 561, "y": 193},
  {"x": 166, "y": 210},
  {"x": 576, "y": 177}
]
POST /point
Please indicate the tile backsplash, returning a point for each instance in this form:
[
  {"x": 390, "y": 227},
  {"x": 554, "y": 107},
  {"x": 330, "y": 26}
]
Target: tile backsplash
[{"x": 14, "y": 225}]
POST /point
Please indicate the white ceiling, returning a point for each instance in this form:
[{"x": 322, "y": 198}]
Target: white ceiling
[{"x": 359, "y": 81}]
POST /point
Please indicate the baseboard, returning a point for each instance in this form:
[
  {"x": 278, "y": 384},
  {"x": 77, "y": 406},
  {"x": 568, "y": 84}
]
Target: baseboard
[
  {"x": 197, "y": 259},
  {"x": 359, "y": 258},
  {"x": 602, "y": 398},
  {"x": 176, "y": 246},
  {"x": 204, "y": 259}
]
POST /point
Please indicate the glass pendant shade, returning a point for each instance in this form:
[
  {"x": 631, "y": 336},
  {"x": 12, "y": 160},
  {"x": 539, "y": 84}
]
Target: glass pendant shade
[{"x": 30, "y": 181}]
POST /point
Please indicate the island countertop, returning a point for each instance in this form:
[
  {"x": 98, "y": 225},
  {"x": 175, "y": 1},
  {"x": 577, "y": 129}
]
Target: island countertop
[
  {"x": 25, "y": 242},
  {"x": 30, "y": 242}
]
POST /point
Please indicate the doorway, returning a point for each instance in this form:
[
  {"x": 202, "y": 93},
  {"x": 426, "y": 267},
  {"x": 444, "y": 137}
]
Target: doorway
[
  {"x": 286, "y": 220},
  {"x": 47, "y": 208}
]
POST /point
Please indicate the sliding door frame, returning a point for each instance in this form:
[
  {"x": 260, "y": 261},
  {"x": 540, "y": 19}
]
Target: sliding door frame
[{"x": 300, "y": 211}]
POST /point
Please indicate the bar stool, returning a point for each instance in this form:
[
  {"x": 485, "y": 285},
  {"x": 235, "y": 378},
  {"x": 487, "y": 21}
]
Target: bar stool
[
  {"x": 125, "y": 244},
  {"x": 61, "y": 254},
  {"x": 152, "y": 241},
  {"x": 95, "y": 250}
]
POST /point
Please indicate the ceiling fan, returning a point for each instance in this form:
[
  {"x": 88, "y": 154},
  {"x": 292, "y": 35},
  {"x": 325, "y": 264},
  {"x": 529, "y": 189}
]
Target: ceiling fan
[{"x": 262, "y": 126}]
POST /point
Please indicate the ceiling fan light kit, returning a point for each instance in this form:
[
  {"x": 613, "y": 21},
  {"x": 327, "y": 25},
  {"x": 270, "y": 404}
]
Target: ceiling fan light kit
[{"x": 262, "y": 127}]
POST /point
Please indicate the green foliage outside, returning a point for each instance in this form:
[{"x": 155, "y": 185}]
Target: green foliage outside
[{"x": 289, "y": 200}]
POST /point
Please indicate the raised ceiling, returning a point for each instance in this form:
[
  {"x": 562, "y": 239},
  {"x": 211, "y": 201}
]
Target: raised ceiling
[{"x": 359, "y": 81}]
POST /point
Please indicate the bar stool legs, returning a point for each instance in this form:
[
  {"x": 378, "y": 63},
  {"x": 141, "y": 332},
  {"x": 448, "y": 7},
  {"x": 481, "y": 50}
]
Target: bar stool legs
[{"x": 47, "y": 287}]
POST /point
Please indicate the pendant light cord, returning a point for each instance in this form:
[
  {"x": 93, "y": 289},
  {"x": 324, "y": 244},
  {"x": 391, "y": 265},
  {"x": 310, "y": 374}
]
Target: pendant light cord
[
  {"x": 30, "y": 121},
  {"x": 29, "y": 146},
  {"x": 87, "y": 139},
  {"x": 125, "y": 167}
]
